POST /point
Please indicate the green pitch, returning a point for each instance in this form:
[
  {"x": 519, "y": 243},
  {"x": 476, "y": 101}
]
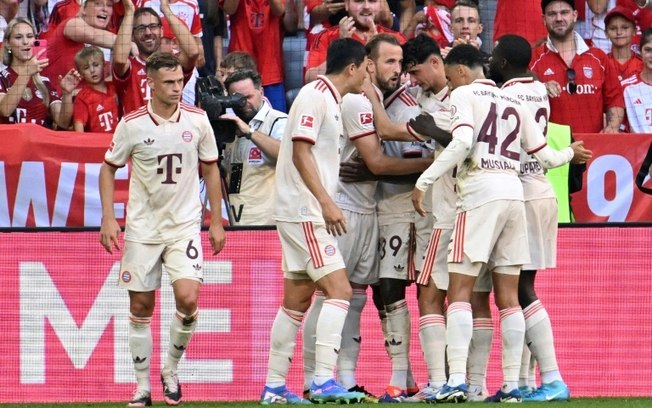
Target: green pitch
[{"x": 574, "y": 403}]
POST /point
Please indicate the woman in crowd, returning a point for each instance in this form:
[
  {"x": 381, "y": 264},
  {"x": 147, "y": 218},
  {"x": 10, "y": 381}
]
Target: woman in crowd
[{"x": 25, "y": 95}]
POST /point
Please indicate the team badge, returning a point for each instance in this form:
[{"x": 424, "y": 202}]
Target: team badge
[
  {"x": 329, "y": 250},
  {"x": 186, "y": 136},
  {"x": 366, "y": 118},
  {"x": 126, "y": 276},
  {"x": 588, "y": 72},
  {"x": 306, "y": 122}
]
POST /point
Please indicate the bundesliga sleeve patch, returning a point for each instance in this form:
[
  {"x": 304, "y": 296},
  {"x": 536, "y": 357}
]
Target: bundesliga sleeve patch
[
  {"x": 366, "y": 118},
  {"x": 306, "y": 122}
]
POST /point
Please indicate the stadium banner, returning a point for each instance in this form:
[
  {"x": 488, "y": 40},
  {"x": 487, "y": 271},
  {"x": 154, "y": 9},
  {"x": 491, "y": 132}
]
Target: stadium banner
[
  {"x": 610, "y": 193},
  {"x": 65, "y": 333}
]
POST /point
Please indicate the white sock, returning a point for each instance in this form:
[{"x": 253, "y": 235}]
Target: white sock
[
  {"x": 512, "y": 328},
  {"x": 282, "y": 341},
  {"x": 459, "y": 330},
  {"x": 140, "y": 345},
  {"x": 479, "y": 349},
  {"x": 398, "y": 327},
  {"x": 181, "y": 329},
  {"x": 350, "y": 348},
  {"x": 382, "y": 315},
  {"x": 432, "y": 335},
  {"x": 329, "y": 338},
  {"x": 524, "y": 373},
  {"x": 539, "y": 337},
  {"x": 309, "y": 334}
]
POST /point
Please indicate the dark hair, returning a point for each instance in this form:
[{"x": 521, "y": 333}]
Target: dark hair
[
  {"x": 159, "y": 60},
  {"x": 417, "y": 50},
  {"x": 465, "y": 54},
  {"x": 146, "y": 10},
  {"x": 241, "y": 75},
  {"x": 372, "y": 46},
  {"x": 239, "y": 60},
  {"x": 342, "y": 53},
  {"x": 646, "y": 37},
  {"x": 467, "y": 3},
  {"x": 544, "y": 4},
  {"x": 515, "y": 49}
]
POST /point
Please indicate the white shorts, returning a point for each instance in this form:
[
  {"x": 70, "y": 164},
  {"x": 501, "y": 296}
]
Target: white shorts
[
  {"x": 396, "y": 250},
  {"x": 494, "y": 232},
  {"x": 424, "y": 226},
  {"x": 359, "y": 247},
  {"x": 541, "y": 216},
  {"x": 141, "y": 267},
  {"x": 309, "y": 251},
  {"x": 435, "y": 261}
]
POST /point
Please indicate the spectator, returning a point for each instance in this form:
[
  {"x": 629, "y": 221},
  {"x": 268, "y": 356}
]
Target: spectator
[
  {"x": 359, "y": 24},
  {"x": 144, "y": 27},
  {"x": 621, "y": 28},
  {"x": 96, "y": 104},
  {"x": 581, "y": 81},
  {"x": 253, "y": 24},
  {"x": 213, "y": 28},
  {"x": 36, "y": 11},
  {"x": 25, "y": 95},
  {"x": 466, "y": 26},
  {"x": 594, "y": 29},
  {"x": 235, "y": 61},
  {"x": 250, "y": 161},
  {"x": 67, "y": 9},
  {"x": 8, "y": 10},
  {"x": 638, "y": 90},
  {"x": 89, "y": 27},
  {"x": 434, "y": 20},
  {"x": 526, "y": 22}
]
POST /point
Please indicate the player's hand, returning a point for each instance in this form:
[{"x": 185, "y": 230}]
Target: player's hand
[
  {"x": 417, "y": 201},
  {"x": 334, "y": 219},
  {"x": 347, "y": 27},
  {"x": 109, "y": 234},
  {"x": 424, "y": 124},
  {"x": 369, "y": 90},
  {"x": 553, "y": 88},
  {"x": 354, "y": 171},
  {"x": 582, "y": 155},
  {"x": 217, "y": 237}
]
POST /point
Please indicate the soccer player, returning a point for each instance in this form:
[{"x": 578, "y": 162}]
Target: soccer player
[
  {"x": 165, "y": 140},
  {"x": 489, "y": 234},
  {"x": 308, "y": 221},
  {"x": 509, "y": 64}
]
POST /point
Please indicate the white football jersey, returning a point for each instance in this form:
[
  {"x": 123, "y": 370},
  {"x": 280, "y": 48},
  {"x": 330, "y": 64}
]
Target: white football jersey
[
  {"x": 638, "y": 103},
  {"x": 534, "y": 97},
  {"x": 164, "y": 203},
  {"x": 500, "y": 126},
  {"x": 315, "y": 118}
]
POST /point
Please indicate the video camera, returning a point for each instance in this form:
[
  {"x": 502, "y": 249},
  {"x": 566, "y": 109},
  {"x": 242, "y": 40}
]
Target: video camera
[{"x": 212, "y": 97}]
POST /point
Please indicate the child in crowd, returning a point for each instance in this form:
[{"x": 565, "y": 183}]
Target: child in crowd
[
  {"x": 96, "y": 104},
  {"x": 621, "y": 28}
]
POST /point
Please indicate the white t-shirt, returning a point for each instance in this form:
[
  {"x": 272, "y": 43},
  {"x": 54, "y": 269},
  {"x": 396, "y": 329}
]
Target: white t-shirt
[
  {"x": 164, "y": 203},
  {"x": 315, "y": 118},
  {"x": 638, "y": 103}
]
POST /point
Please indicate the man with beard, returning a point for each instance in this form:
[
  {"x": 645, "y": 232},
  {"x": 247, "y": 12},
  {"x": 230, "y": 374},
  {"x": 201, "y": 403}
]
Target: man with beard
[
  {"x": 251, "y": 160},
  {"x": 359, "y": 24},
  {"x": 143, "y": 27},
  {"x": 581, "y": 82}
]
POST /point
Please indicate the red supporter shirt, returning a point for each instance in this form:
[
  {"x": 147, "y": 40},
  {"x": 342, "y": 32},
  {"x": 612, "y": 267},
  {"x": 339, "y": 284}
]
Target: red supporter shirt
[
  {"x": 66, "y": 9},
  {"x": 186, "y": 10},
  {"x": 97, "y": 111},
  {"x": 61, "y": 53},
  {"x": 30, "y": 109},
  {"x": 631, "y": 67},
  {"x": 526, "y": 22},
  {"x": 597, "y": 82},
  {"x": 319, "y": 48},
  {"x": 260, "y": 37}
]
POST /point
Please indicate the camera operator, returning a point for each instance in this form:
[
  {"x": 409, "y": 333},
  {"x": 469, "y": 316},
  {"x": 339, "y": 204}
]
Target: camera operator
[{"x": 250, "y": 161}]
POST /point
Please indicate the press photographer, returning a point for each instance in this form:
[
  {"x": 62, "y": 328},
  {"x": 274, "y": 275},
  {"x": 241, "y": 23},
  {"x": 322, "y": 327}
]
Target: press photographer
[{"x": 250, "y": 160}]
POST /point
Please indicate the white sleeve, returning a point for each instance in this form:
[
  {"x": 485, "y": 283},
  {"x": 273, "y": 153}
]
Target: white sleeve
[
  {"x": 455, "y": 152},
  {"x": 551, "y": 158}
]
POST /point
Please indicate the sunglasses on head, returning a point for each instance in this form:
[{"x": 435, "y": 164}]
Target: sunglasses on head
[{"x": 572, "y": 86}]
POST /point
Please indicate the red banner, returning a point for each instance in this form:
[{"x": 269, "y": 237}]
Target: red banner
[
  {"x": 50, "y": 179},
  {"x": 610, "y": 193}
]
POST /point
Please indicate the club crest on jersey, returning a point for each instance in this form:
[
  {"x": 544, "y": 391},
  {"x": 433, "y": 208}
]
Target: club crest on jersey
[
  {"x": 255, "y": 155},
  {"x": 588, "y": 72},
  {"x": 126, "y": 276},
  {"x": 306, "y": 122},
  {"x": 186, "y": 136},
  {"x": 366, "y": 118},
  {"x": 329, "y": 250}
]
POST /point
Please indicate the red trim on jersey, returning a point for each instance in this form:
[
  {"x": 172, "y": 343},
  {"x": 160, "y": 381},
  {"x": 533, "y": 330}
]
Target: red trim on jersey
[
  {"x": 537, "y": 149},
  {"x": 135, "y": 115},
  {"x": 429, "y": 259},
  {"x": 407, "y": 99},
  {"x": 330, "y": 88},
  {"x": 115, "y": 166},
  {"x": 208, "y": 161},
  {"x": 458, "y": 239},
  {"x": 460, "y": 125},
  {"x": 303, "y": 139},
  {"x": 313, "y": 244},
  {"x": 413, "y": 133},
  {"x": 517, "y": 81},
  {"x": 412, "y": 243},
  {"x": 369, "y": 133},
  {"x": 191, "y": 108}
]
